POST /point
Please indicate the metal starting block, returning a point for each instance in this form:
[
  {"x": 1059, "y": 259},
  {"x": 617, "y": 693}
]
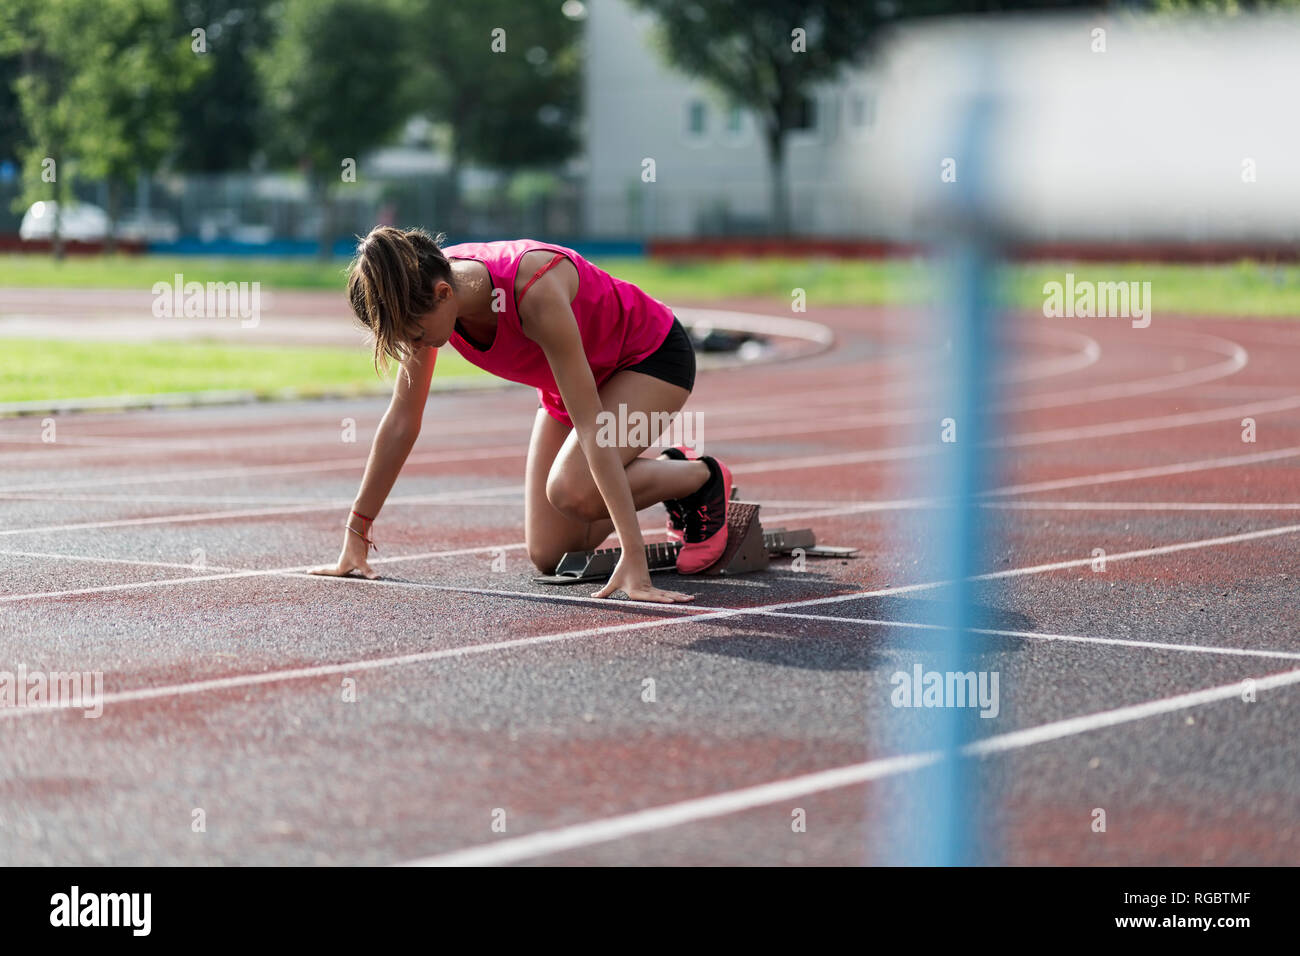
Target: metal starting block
[{"x": 749, "y": 548}]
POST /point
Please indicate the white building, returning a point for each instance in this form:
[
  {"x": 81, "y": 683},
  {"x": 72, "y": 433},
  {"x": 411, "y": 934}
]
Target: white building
[{"x": 710, "y": 159}]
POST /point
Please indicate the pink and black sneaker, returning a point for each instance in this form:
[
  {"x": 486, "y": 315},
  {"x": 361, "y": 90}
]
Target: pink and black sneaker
[
  {"x": 676, "y": 513},
  {"x": 704, "y": 537}
]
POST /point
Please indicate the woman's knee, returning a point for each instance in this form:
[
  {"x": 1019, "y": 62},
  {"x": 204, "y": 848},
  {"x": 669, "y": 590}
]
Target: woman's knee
[
  {"x": 544, "y": 558},
  {"x": 574, "y": 497}
]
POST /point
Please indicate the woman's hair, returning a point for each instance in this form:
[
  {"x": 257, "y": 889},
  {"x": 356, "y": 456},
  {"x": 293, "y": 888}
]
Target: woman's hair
[{"x": 390, "y": 286}]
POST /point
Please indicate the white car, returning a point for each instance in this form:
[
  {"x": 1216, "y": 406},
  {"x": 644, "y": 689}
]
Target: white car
[
  {"x": 80, "y": 221},
  {"x": 150, "y": 226}
]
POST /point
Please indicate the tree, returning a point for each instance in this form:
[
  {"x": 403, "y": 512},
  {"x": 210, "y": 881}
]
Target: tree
[
  {"x": 766, "y": 54},
  {"x": 506, "y": 77},
  {"x": 96, "y": 91},
  {"x": 336, "y": 86},
  {"x": 44, "y": 38},
  {"x": 129, "y": 116},
  {"x": 221, "y": 112}
]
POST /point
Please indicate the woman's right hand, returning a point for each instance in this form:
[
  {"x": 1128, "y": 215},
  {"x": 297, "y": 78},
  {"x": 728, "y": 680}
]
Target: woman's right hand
[{"x": 352, "y": 558}]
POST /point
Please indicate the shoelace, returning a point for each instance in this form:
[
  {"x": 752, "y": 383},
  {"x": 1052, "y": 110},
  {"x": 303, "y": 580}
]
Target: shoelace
[
  {"x": 676, "y": 512},
  {"x": 369, "y": 522},
  {"x": 695, "y": 522}
]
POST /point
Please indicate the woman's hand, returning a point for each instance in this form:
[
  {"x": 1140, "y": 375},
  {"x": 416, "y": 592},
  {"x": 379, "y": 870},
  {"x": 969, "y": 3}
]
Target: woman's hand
[
  {"x": 635, "y": 581},
  {"x": 352, "y": 558}
]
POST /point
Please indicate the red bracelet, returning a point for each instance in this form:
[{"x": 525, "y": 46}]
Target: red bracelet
[{"x": 370, "y": 521}]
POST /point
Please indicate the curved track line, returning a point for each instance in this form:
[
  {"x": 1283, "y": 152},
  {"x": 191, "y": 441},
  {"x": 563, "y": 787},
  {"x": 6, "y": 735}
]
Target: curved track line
[
  {"x": 1236, "y": 361},
  {"x": 816, "y": 512},
  {"x": 508, "y": 451}
]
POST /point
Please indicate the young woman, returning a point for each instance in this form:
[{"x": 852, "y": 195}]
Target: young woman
[{"x": 542, "y": 315}]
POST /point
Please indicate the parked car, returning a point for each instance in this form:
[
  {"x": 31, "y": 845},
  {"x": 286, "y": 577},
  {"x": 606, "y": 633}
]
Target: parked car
[
  {"x": 148, "y": 226},
  {"x": 79, "y": 221}
]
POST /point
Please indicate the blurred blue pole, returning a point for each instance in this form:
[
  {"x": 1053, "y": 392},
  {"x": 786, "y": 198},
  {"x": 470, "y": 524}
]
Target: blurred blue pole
[{"x": 942, "y": 809}]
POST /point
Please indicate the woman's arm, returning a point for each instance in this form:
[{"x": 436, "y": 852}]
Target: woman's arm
[
  {"x": 551, "y": 324},
  {"x": 396, "y": 436}
]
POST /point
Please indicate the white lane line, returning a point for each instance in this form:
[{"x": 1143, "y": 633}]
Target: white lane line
[
  {"x": 796, "y": 463},
  {"x": 289, "y": 468},
  {"x": 1041, "y": 636},
  {"x": 1047, "y": 437},
  {"x": 791, "y": 463},
  {"x": 839, "y": 394},
  {"x": 1136, "y": 425},
  {"x": 298, "y": 571},
  {"x": 834, "y": 510},
  {"x": 1085, "y": 562},
  {"x": 1141, "y": 506},
  {"x": 1035, "y": 505},
  {"x": 1037, "y": 569},
  {"x": 1088, "y": 353},
  {"x": 701, "y": 609},
  {"x": 1140, "y": 387},
  {"x": 912, "y": 416},
  {"x": 698, "y": 609},
  {"x": 577, "y": 836},
  {"x": 1237, "y": 359},
  {"x": 1155, "y": 471},
  {"x": 339, "y": 502},
  {"x": 87, "y": 559},
  {"x": 322, "y": 670},
  {"x": 704, "y": 616},
  {"x": 451, "y": 497}
]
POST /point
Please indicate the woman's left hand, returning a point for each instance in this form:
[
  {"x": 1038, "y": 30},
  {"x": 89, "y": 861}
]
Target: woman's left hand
[{"x": 635, "y": 582}]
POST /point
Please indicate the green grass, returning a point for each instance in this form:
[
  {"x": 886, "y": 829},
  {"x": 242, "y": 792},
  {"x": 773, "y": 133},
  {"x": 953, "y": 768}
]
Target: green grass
[
  {"x": 1243, "y": 289},
  {"x": 35, "y": 370},
  {"x": 141, "y": 272},
  {"x": 825, "y": 281}
]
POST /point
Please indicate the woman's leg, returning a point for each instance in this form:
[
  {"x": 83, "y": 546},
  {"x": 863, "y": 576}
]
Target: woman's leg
[
  {"x": 548, "y": 533},
  {"x": 572, "y": 491}
]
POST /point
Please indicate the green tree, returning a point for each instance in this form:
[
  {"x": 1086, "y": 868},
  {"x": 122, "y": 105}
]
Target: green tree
[
  {"x": 336, "y": 85},
  {"x": 749, "y": 50},
  {"x": 220, "y": 114},
  {"x": 96, "y": 92},
  {"x": 128, "y": 120},
  {"x": 511, "y": 98},
  {"x": 11, "y": 121},
  {"x": 45, "y": 40},
  {"x": 753, "y": 51}
]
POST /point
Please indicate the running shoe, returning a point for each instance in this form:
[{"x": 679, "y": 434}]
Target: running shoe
[
  {"x": 677, "y": 513},
  {"x": 704, "y": 537}
]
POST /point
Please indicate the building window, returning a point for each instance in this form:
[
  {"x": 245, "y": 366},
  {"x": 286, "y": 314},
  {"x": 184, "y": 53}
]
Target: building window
[
  {"x": 697, "y": 120},
  {"x": 862, "y": 110},
  {"x": 736, "y": 127},
  {"x": 805, "y": 117}
]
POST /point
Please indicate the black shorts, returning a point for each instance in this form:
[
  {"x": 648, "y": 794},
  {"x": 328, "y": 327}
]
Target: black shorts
[{"x": 673, "y": 362}]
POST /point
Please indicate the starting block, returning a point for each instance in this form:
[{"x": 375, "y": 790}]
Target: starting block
[{"x": 749, "y": 548}]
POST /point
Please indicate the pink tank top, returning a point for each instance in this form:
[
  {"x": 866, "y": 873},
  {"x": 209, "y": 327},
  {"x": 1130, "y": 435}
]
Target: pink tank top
[{"x": 620, "y": 325}]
